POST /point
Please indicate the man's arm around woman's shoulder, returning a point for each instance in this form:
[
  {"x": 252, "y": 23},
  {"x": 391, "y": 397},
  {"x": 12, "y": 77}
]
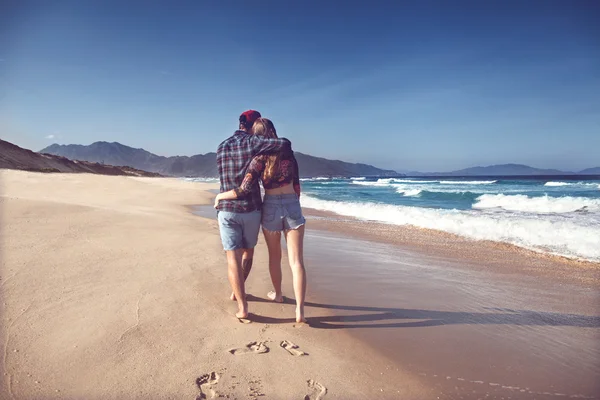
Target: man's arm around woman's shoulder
[{"x": 263, "y": 145}]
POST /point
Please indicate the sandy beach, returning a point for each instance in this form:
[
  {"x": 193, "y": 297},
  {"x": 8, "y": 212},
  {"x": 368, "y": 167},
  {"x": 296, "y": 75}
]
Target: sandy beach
[{"x": 112, "y": 289}]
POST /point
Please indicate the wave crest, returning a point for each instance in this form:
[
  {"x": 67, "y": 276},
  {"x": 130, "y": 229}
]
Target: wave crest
[
  {"x": 542, "y": 204},
  {"x": 468, "y": 182},
  {"x": 409, "y": 192}
]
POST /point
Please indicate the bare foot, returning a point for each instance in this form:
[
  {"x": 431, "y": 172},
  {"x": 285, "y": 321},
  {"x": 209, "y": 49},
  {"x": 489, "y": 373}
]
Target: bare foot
[
  {"x": 273, "y": 296},
  {"x": 242, "y": 311},
  {"x": 300, "y": 316}
]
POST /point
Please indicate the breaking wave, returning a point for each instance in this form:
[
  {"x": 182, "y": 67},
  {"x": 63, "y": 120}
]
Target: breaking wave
[
  {"x": 576, "y": 238},
  {"x": 409, "y": 192},
  {"x": 541, "y": 204},
  {"x": 467, "y": 182}
]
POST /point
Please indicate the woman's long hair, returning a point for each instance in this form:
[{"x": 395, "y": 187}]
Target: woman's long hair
[{"x": 264, "y": 127}]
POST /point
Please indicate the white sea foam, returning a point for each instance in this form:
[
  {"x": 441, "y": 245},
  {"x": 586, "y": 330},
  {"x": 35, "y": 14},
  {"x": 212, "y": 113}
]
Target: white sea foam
[
  {"x": 577, "y": 236},
  {"x": 360, "y": 178},
  {"x": 409, "y": 192},
  {"x": 396, "y": 180},
  {"x": 393, "y": 180},
  {"x": 557, "y": 184},
  {"x": 403, "y": 188},
  {"x": 467, "y": 182},
  {"x": 318, "y": 178},
  {"x": 369, "y": 183},
  {"x": 542, "y": 204}
]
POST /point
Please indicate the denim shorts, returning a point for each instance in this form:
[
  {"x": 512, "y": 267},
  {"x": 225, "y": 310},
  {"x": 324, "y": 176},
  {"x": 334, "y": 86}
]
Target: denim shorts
[
  {"x": 239, "y": 230},
  {"x": 282, "y": 212}
]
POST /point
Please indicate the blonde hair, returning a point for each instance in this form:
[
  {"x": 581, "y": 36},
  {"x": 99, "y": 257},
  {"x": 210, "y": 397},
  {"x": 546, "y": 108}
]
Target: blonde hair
[{"x": 264, "y": 127}]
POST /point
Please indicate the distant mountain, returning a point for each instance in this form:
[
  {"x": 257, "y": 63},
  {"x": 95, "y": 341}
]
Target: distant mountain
[
  {"x": 311, "y": 166},
  {"x": 590, "y": 171},
  {"x": 497, "y": 170},
  {"x": 204, "y": 165},
  {"x": 108, "y": 153},
  {"x": 507, "y": 169},
  {"x": 15, "y": 157}
]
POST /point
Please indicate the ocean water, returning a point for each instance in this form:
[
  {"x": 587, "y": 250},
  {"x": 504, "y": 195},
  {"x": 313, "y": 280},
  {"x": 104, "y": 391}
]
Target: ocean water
[{"x": 558, "y": 215}]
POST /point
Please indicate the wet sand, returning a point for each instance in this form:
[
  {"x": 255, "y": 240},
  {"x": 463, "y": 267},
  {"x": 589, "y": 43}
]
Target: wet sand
[
  {"x": 470, "y": 333},
  {"x": 473, "y": 319}
]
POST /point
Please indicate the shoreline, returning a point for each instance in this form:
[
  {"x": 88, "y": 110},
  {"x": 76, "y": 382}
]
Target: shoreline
[
  {"x": 491, "y": 255},
  {"x": 473, "y": 291},
  {"x": 500, "y": 257}
]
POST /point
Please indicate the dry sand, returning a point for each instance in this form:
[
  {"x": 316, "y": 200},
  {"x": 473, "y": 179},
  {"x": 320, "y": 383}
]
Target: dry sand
[{"x": 111, "y": 289}]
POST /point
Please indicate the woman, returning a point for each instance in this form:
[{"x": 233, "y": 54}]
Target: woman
[{"x": 281, "y": 213}]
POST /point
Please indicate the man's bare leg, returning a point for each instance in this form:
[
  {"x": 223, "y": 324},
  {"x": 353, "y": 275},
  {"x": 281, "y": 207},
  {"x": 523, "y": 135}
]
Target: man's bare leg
[
  {"x": 247, "y": 258},
  {"x": 235, "y": 275}
]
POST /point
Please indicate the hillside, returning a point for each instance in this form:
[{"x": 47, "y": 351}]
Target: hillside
[
  {"x": 15, "y": 157},
  {"x": 590, "y": 171},
  {"x": 203, "y": 165},
  {"x": 507, "y": 169},
  {"x": 497, "y": 170}
]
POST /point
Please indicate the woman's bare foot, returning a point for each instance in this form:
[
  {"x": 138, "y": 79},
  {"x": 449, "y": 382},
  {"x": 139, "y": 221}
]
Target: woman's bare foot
[
  {"x": 276, "y": 298},
  {"x": 300, "y": 316}
]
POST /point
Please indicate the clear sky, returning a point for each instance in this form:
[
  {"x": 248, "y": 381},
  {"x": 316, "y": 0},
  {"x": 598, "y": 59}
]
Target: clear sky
[{"x": 421, "y": 85}]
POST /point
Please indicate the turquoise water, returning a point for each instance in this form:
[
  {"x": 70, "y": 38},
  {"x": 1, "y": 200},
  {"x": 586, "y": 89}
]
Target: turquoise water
[{"x": 559, "y": 215}]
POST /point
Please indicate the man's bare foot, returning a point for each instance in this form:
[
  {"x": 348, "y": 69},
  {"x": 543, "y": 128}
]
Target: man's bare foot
[
  {"x": 243, "y": 311},
  {"x": 273, "y": 296}
]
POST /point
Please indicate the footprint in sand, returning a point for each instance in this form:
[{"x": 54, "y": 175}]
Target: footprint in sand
[
  {"x": 292, "y": 348},
  {"x": 205, "y": 383},
  {"x": 318, "y": 391},
  {"x": 252, "y": 347}
]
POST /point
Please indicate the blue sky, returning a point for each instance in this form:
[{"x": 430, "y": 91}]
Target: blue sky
[{"x": 420, "y": 85}]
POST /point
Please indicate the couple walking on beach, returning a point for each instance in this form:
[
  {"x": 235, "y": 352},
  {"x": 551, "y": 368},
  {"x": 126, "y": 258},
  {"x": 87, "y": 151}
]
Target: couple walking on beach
[{"x": 254, "y": 153}]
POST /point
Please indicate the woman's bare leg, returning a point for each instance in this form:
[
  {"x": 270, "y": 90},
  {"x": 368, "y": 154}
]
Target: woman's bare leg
[
  {"x": 295, "y": 247},
  {"x": 273, "y": 240}
]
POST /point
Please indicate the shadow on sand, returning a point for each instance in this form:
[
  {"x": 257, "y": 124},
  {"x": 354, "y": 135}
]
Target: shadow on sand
[{"x": 405, "y": 318}]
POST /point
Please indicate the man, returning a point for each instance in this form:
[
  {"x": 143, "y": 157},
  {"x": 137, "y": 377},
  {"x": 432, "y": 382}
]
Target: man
[{"x": 239, "y": 219}]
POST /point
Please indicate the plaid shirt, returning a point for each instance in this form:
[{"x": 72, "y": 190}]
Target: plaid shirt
[{"x": 233, "y": 157}]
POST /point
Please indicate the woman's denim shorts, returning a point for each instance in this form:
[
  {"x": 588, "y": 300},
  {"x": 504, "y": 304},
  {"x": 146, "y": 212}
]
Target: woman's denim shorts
[{"x": 282, "y": 212}]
